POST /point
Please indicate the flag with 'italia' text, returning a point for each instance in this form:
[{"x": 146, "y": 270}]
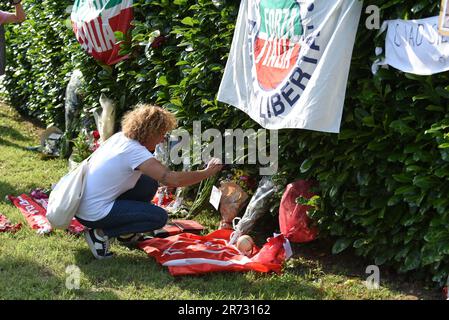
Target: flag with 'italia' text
[{"x": 95, "y": 23}]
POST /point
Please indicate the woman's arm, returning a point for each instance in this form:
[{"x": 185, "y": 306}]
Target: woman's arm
[
  {"x": 20, "y": 13},
  {"x": 18, "y": 17},
  {"x": 154, "y": 169}
]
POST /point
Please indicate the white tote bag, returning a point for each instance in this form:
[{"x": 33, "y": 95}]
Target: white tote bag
[{"x": 66, "y": 196}]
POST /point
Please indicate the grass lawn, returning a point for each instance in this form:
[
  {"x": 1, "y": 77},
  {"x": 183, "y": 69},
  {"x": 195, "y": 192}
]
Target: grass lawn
[{"x": 34, "y": 266}]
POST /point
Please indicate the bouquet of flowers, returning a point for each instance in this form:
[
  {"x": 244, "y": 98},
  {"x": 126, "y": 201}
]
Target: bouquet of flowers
[{"x": 85, "y": 144}]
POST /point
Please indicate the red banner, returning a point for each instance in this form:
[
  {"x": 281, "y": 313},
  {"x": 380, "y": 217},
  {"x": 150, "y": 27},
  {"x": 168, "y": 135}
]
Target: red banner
[
  {"x": 34, "y": 214},
  {"x": 35, "y": 211}
]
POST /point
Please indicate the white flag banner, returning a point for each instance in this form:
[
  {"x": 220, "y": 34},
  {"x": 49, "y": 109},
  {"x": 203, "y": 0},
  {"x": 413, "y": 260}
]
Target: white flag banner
[
  {"x": 415, "y": 46},
  {"x": 289, "y": 62}
]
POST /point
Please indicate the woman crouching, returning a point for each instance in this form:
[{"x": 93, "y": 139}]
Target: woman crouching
[{"x": 123, "y": 177}]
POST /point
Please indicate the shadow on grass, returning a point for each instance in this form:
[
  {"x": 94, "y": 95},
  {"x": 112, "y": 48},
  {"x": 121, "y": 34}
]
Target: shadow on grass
[
  {"x": 8, "y": 133},
  {"x": 19, "y": 115},
  {"x": 317, "y": 255},
  {"x": 39, "y": 283},
  {"x": 8, "y": 189},
  {"x": 144, "y": 272},
  {"x": 236, "y": 286}
]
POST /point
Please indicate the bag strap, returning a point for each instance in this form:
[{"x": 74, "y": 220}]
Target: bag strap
[{"x": 84, "y": 161}]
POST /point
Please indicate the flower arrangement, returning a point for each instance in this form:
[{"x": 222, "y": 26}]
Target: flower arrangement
[
  {"x": 85, "y": 144},
  {"x": 244, "y": 179}
]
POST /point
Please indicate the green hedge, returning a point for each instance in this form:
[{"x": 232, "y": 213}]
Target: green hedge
[
  {"x": 40, "y": 56},
  {"x": 383, "y": 180},
  {"x": 183, "y": 73}
]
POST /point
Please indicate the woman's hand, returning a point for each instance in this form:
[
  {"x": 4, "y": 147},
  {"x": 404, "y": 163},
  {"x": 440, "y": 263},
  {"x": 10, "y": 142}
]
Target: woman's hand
[{"x": 214, "y": 166}]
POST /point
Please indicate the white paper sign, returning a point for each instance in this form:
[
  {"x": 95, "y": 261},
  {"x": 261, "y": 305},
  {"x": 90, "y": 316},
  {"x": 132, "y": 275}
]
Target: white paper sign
[
  {"x": 215, "y": 197},
  {"x": 415, "y": 46}
]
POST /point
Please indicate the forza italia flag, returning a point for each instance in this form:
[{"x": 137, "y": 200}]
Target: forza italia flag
[
  {"x": 94, "y": 23},
  {"x": 289, "y": 62}
]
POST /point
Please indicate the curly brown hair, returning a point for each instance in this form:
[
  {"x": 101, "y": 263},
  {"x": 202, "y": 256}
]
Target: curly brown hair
[{"x": 146, "y": 121}]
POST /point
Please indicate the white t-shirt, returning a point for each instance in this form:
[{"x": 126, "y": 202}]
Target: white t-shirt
[{"x": 111, "y": 173}]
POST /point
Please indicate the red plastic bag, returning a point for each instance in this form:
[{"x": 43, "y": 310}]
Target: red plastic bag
[
  {"x": 293, "y": 219},
  {"x": 276, "y": 251}
]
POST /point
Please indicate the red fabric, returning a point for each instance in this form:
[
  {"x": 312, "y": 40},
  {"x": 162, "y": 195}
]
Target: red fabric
[
  {"x": 42, "y": 202},
  {"x": 293, "y": 219},
  {"x": 35, "y": 211},
  {"x": 7, "y": 226},
  {"x": 75, "y": 227},
  {"x": 189, "y": 254},
  {"x": 34, "y": 214},
  {"x": 38, "y": 194}
]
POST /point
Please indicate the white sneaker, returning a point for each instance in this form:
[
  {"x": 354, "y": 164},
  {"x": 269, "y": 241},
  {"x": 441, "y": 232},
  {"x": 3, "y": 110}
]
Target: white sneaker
[{"x": 98, "y": 245}]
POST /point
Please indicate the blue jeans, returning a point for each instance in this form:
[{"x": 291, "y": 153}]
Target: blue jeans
[{"x": 132, "y": 212}]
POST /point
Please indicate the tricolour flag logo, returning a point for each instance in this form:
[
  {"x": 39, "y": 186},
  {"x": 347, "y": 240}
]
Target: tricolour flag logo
[{"x": 277, "y": 43}]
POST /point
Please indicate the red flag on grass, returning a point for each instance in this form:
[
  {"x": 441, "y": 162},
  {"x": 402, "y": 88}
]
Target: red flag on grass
[
  {"x": 189, "y": 254},
  {"x": 75, "y": 227}
]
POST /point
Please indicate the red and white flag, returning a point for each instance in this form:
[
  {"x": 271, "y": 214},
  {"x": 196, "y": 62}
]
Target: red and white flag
[
  {"x": 75, "y": 227},
  {"x": 188, "y": 254},
  {"x": 95, "y": 22}
]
